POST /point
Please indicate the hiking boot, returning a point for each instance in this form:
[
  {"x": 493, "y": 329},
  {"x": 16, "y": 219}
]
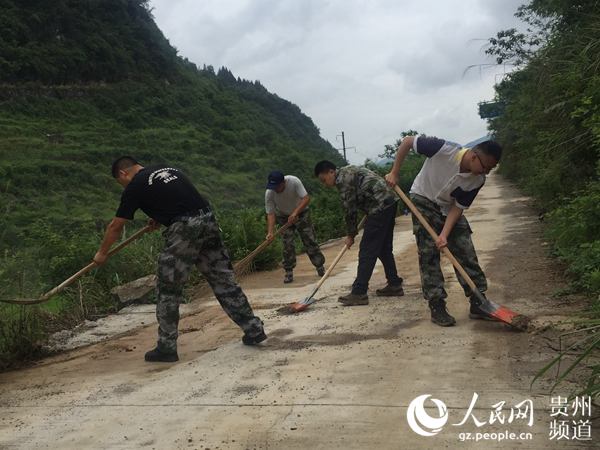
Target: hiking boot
[
  {"x": 321, "y": 271},
  {"x": 155, "y": 355},
  {"x": 439, "y": 314},
  {"x": 354, "y": 299},
  {"x": 475, "y": 311},
  {"x": 253, "y": 340},
  {"x": 289, "y": 276},
  {"x": 390, "y": 291}
]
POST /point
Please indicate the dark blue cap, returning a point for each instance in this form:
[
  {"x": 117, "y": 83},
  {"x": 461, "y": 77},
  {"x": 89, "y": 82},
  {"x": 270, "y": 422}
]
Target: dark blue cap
[{"x": 275, "y": 179}]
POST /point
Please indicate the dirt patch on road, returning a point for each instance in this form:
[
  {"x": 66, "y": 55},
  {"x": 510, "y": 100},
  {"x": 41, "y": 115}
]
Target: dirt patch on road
[{"x": 336, "y": 339}]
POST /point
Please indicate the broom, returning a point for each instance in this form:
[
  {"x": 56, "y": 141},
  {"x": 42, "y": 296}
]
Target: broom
[{"x": 242, "y": 267}]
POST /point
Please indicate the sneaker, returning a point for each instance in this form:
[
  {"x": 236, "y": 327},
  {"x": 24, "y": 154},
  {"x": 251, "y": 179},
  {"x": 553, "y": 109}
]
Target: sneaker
[
  {"x": 289, "y": 276},
  {"x": 439, "y": 314},
  {"x": 155, "y": 355},
  {"x": 390, "y": 291},
  {"x": 321, "y": 271},
  {"x": 253, "y": 340},
  {"x": 354, "y": 299}
]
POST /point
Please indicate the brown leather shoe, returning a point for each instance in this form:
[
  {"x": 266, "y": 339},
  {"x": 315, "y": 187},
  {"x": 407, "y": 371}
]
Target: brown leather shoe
[{"x": 354, "y": 299}]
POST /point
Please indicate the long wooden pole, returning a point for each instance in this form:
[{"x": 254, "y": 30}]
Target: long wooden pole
[
  {"x": 52, "y": 292},
  {"x": 434, "y": 236}
]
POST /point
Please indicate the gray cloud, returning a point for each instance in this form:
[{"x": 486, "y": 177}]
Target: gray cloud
[{"x": 370, "y": 68}]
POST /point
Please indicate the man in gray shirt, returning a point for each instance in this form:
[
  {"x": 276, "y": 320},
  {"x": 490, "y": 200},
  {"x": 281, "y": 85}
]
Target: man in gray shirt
[{"x": 286, "y": 201}]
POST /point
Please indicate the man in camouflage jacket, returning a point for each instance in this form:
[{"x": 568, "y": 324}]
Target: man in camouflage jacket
[{"x": 363, "y": 190}]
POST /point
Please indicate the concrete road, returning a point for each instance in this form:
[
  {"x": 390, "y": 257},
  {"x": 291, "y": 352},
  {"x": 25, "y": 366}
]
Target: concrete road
[{"x": 331, "y": 377}]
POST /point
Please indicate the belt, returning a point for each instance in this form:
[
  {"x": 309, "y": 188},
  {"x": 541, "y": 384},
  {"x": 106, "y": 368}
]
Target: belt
[
  {"x": 285, "y": 216},
  {"x": 194, "y": 213}
]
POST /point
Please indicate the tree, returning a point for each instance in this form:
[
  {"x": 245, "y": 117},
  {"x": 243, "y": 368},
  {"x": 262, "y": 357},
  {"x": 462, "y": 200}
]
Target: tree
[
  {"x": 390, "y": 150},
  {"x": 516, "y": 48}
]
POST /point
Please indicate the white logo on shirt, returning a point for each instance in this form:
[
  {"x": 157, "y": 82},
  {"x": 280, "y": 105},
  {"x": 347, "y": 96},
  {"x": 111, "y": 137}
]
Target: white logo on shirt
[{"x": 162, "y": 174}]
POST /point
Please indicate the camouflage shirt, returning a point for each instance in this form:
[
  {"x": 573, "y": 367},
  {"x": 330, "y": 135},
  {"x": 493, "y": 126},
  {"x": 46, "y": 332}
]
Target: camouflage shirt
[{"x": 364, "y": 190}]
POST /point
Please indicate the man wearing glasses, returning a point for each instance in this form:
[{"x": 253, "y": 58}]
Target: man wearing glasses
[{"x": 447, "y": 184}]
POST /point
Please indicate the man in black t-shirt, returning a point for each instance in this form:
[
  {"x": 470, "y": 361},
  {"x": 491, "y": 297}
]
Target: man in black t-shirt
[{"x": 192, "y": 237}]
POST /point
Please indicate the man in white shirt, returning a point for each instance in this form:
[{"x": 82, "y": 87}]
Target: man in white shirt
[
  {"x": 447, "y": 184},
  {"x": 286, "y": 201}
]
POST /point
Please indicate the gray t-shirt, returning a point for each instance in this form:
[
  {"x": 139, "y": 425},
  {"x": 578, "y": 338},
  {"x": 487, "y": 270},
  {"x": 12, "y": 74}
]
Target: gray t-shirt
[
  {"x": 440, "y": 179},
  {"x": 284, "y": 203}
]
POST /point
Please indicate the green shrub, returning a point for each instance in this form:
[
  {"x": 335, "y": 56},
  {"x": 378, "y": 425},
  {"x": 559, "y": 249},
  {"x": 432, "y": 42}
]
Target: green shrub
[
  {"x": 574, "y": 229},
  {"x": 21, "y": 330}
]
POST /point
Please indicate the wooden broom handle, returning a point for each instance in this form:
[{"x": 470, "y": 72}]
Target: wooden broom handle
[
  {"x": 52, "y": 292},
  {"x": 337, "y": 258},
  {"x": 435, "y": 236}
]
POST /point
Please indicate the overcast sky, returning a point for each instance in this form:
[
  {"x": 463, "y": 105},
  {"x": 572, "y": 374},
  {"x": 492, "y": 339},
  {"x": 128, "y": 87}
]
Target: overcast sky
[{"x": 369, "y": 68}]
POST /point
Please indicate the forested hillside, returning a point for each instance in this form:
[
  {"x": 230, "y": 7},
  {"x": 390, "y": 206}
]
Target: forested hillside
[
  {"x": 83, "y": 82},
  {"x": 550, "y": 129},
  {"x": 87, "y": 81}
]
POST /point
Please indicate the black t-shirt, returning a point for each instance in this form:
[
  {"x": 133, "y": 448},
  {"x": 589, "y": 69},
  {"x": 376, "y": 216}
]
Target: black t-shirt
[{"x": 163, "y": 193}]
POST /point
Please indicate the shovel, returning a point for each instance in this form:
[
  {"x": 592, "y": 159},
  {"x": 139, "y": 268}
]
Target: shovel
[
  {"x": 503, "y": 314},
  {"x": 52, "y": 292},
  {"x": 303, "y": 304}
]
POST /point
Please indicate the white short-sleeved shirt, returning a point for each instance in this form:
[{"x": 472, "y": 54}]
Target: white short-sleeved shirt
[
  {"x": 440, "y": 179},
  {"x": 284, "y": 203}
]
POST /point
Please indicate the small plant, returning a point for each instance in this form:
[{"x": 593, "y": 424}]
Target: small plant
[
  {"x": 587, "y": 347},
  {"x": 21, "y": 332}
]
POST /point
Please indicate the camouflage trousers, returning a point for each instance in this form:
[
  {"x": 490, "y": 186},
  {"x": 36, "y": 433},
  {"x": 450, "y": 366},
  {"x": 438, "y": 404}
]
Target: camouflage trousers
[
  {"x": 459, "y": 243},
  {"x": 196, "y": 241},
  {"x": 305, "y": 229}
]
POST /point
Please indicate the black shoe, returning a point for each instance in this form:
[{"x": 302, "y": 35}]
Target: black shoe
[
  {"x": 253, "y": 340},
  {"x": 475, "y": 311},
  {"x": 321, "y": 271},
  {"x": 155, "y": 355},
  {"x": 390, "y": 291},
  {"x": 354, "y": 299},
  {"x": 439, "y": 314},
  {"x": 289, "y": 276}
]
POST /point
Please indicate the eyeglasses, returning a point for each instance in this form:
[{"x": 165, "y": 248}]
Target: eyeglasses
[{"x": 483, "y": 166}]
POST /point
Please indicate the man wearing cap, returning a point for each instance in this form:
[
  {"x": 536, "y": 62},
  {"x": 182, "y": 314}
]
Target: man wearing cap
[{"x": 286, "y": 201}]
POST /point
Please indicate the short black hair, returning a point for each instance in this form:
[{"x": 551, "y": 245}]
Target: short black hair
[
  {"x": 490, "y": 148},
  {"x": 122, "y": 163},
  {"x": 324, "y": 166}
]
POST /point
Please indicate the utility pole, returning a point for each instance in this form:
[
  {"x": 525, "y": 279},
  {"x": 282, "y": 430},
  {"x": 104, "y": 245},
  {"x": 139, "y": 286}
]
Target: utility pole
[{"x": 344, "y": 148}]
